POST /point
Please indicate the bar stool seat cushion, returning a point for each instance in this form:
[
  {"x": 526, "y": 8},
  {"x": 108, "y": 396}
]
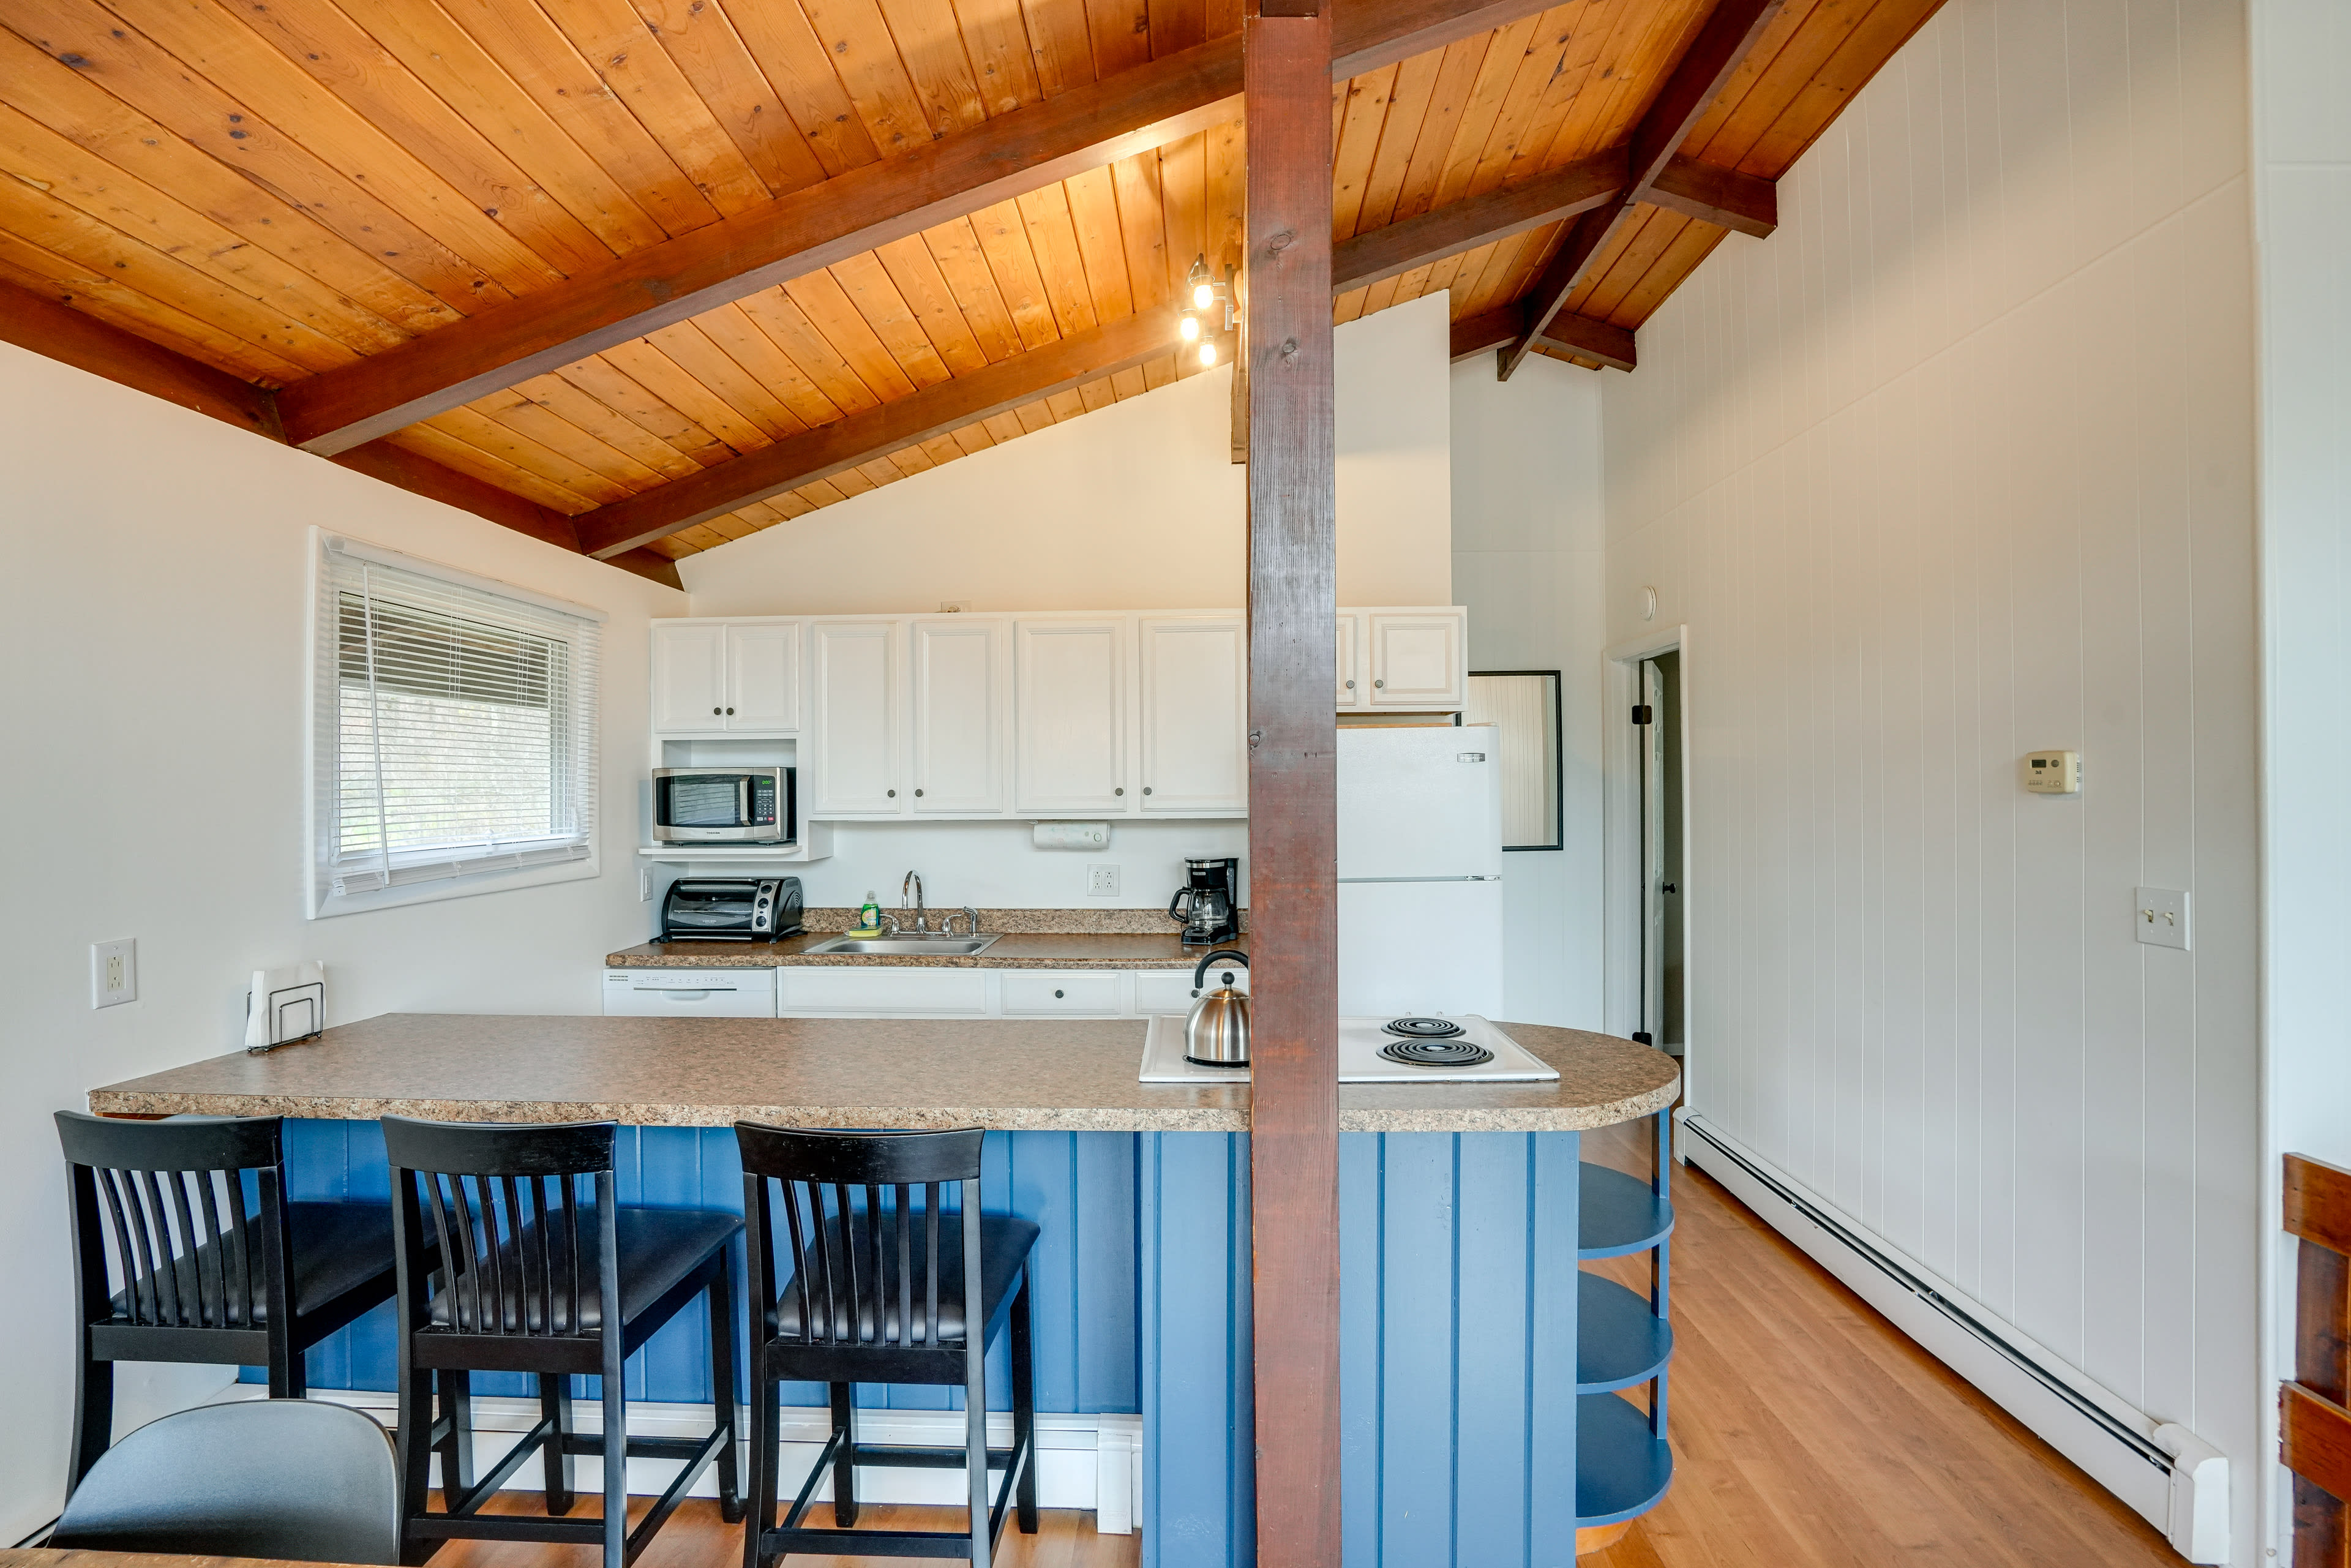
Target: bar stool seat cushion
[
  {"x": 659, "y": 1248},
  {"x": 1004, "y": 1245},
  {"x": 339, "y": 1248}
]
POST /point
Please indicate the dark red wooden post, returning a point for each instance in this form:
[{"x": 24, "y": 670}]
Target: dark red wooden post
[{"x": 1293, "y": 826}]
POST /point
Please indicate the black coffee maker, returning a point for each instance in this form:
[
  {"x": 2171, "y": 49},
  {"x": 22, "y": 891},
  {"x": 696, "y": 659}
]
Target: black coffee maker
[{"x": 1209, "y": 901}]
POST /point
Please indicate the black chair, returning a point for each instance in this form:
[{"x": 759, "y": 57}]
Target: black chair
[
  {"x": 878, "y": 1290},
  {"x": 206, "y": 1272},
  {"x": 271, "y": 1478},
  {"x": 538, "y": 1281}
]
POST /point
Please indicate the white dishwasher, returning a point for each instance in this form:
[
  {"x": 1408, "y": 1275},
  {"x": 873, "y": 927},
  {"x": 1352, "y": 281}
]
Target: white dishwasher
[{"x": 690, "y": 993}]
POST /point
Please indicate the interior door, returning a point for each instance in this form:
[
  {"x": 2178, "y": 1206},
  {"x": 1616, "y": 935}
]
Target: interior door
[
  {"x": 1650, "y": 733},
  {"x": 762, "y": 677},
  {"x": 689, "y": 677},
  {"x": 1070, "y": 716},
  {"x": 1195, "y": 700},
  {"x": 1418, "y": 659},
  {"x": 959, "y": 712},
  {"x": 855, "y": 760}
]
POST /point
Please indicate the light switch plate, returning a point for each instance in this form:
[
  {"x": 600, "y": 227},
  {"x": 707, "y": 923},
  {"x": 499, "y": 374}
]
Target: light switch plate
[
  {"x": 113, "y": 972},
  {"x": 2160, "y": 916},
  {"x": 1102, "y": 882}
]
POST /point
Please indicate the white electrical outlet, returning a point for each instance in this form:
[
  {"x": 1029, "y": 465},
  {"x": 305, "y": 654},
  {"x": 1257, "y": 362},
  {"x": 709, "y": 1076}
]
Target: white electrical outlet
[
  {"x": 2160, "y": 916},
  {"x": 113, "y": 972},
  {"x": 1102, "y": 882}
]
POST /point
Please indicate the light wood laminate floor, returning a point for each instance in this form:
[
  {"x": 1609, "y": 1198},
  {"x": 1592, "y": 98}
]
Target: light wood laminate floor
[{"x": 1808, "y": 1433}]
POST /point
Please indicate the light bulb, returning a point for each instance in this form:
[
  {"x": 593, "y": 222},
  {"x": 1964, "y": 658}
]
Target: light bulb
[
  {"x": 1201, "y": 296},
  {"x": 1189, "y": 328},
  {"x": 1208, "y": 353}
]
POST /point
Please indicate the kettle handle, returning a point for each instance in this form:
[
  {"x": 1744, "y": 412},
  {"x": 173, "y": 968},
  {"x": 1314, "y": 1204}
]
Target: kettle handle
[{"x": 1200, "y": 971}]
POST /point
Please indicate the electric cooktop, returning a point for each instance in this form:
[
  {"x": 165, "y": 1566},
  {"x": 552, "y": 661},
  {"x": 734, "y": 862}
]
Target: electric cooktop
[{"x": 1455, "y": 1049}]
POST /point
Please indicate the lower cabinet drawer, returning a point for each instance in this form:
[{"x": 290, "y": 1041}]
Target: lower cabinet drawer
[
  {"x": 903, "y": 993},
  {"x": 1170, "y": 990},
  {"x": 1034, "y": 993}
]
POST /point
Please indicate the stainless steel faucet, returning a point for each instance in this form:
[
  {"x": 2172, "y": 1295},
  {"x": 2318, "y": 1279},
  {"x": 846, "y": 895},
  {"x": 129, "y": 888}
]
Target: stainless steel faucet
[{"x": 915, "y": 882}]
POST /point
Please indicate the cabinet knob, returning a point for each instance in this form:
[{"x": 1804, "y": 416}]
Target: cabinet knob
[
  {"x": 713, "y": 710},
  {"x": 893, "y": 794},
  {"x": 1380, "y": 684},
  {"x": 1056, "y": 994},
  {"x": 918, "y": 794},
  {"x": 730, "y": 713},
  {"x": 1147, "y": 788},
  {"x": 1351, "y": 686},
  {"x": 1120, "y": 790}
]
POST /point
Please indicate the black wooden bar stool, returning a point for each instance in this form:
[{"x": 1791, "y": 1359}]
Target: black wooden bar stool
[
  {"x": 544, "y": 1279},
  {"x": 878, "y": 1292},
  {"x": 199, "y": 1270}
]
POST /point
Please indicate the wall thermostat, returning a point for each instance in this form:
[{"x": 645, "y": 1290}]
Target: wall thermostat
[{"x": 2053, "y": 772}]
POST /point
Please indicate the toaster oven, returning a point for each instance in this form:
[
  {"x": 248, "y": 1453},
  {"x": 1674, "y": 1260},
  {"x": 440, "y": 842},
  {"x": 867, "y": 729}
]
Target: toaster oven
[{"x": 725, "y": 806}]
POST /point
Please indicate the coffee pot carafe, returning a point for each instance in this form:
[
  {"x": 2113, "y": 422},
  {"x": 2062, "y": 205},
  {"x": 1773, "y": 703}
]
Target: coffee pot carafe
[{"x": 1208, "y": 903}]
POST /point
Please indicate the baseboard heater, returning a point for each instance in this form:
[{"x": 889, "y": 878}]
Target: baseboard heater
[{"x": 2170, "y": 1477}]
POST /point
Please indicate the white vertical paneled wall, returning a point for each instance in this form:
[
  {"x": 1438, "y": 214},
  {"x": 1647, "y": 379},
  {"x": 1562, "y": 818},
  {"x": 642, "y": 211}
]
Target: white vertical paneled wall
[
  {"x": 2302, "y": 131},
  {"x": 1957, "y": 465}
]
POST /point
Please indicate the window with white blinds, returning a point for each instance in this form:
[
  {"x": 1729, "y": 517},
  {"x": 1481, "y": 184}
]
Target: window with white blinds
[{"x": 454, "y": 731}]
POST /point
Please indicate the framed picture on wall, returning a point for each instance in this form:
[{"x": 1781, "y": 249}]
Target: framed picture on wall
[{"x": 1524, "y": 706}]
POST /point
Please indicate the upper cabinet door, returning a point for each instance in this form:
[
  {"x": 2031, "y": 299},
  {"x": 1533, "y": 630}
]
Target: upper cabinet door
[
  {"x": 959, "y": 701},
  {"x": 854, "y": 751},
  {"x": 1194, "y": 694},
  {"x": 763, "y": 675},
  {"x": 1070, "y": 716},
  {"x": 1417, "y": 658},
  {"x": 689, "y": 677},
  {"x": 1351, "y": 684}
]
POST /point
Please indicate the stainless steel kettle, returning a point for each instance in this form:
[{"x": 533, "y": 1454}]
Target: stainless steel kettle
[{"x": 1217, "y": 1034}]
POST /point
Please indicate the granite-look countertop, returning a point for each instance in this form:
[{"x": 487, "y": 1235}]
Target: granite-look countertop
[
  {"x": 1016, "y": 1074},
  {"x": 1014, "y": 950}
]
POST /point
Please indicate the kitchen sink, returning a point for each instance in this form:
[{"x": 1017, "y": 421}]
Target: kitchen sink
[{"x": 949, "y": 946}]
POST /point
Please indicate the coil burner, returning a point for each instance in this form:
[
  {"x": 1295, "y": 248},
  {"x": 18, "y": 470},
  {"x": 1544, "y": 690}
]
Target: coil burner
[
  {"x": 1426, "y": 1052},
  {"x": 1422, "y": 1028}
]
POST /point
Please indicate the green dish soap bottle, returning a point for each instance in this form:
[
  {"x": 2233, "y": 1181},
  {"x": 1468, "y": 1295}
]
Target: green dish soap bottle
[{"x": 869, "y": 919}]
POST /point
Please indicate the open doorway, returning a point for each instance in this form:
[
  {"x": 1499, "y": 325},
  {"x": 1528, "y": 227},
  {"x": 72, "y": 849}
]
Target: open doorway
[{"x": 1657, "y": 743}]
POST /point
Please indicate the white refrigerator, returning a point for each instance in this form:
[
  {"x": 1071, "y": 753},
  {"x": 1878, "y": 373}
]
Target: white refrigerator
[{"x": 1420, "y": 871}]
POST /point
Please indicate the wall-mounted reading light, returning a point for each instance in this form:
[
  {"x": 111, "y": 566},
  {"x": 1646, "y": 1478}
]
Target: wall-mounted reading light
[{"x": 1201, "y": 320}]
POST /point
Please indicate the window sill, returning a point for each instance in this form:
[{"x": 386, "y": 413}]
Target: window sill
[{"x": 325, "y": 903}]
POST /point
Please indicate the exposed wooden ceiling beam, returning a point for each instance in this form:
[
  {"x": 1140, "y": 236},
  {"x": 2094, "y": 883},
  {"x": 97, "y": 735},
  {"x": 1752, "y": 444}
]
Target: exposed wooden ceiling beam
[
  {"x": 1730, "y": 31},
  {"x": 1724, "y": 197},
  {"x": 1463, "y": 225},
  {"x": 1603, "y": 341},
  {"x": 72, "y": 337},
  {"x": 797, "y": 233},
  {"x": 831, "y": 449}
]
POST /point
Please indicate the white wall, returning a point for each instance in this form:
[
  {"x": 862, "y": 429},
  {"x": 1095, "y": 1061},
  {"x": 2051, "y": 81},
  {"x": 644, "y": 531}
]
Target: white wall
[
  {"x": 1138, "y": 506},
  {"x": 2302, "y": 134},
  {"x": 1527, "y": 542},
  {"x": 152, "y": 626},
  {"x": 1956, "y": 466}
]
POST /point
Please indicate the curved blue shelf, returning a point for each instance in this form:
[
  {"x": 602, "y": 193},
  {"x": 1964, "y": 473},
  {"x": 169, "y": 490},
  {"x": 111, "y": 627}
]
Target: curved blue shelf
[
  {"x": 1620, "y": 1471},
  {"x": 1619, "y": 1213},
  {"x": 1617, "y": 1342}
]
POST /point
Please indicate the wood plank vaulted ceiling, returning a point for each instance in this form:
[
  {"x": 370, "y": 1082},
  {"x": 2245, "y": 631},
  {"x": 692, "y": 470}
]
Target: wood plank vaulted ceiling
[{"x": 606, "y": 269}]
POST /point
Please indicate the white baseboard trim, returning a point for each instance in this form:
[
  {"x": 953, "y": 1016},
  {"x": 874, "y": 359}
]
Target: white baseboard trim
[
  {"x": 1089, "y": 1462},
  {"x": 2171, "y": 1477}
]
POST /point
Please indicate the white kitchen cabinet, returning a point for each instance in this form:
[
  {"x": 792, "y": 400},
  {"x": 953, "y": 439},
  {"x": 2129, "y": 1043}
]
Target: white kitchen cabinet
[
  {"x": 1069, "y": 707},
  {"x": 689, "y": 677},
  {"x": 763, "y": 675},
  {"x": 1170, "y": 990},
  {"x": 1418, "y": 658},
  {"x": 1194, "y": 680},
  {"x": 854, "y": 762},
  {"x": 959, "y": 712},
  {"x": 872, "y": 992},
  {"x": 1046, "y": 993},
  {"x": 1352, "y": 686},
  {"x": 716, "y": 677}
]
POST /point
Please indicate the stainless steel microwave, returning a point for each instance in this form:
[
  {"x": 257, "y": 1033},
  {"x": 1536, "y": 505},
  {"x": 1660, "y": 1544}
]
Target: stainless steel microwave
[{"x": 725, "y": 806}]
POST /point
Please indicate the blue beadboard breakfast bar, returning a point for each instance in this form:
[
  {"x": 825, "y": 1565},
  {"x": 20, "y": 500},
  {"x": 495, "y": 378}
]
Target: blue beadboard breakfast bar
[{"x": 1496, "y": 1397}]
